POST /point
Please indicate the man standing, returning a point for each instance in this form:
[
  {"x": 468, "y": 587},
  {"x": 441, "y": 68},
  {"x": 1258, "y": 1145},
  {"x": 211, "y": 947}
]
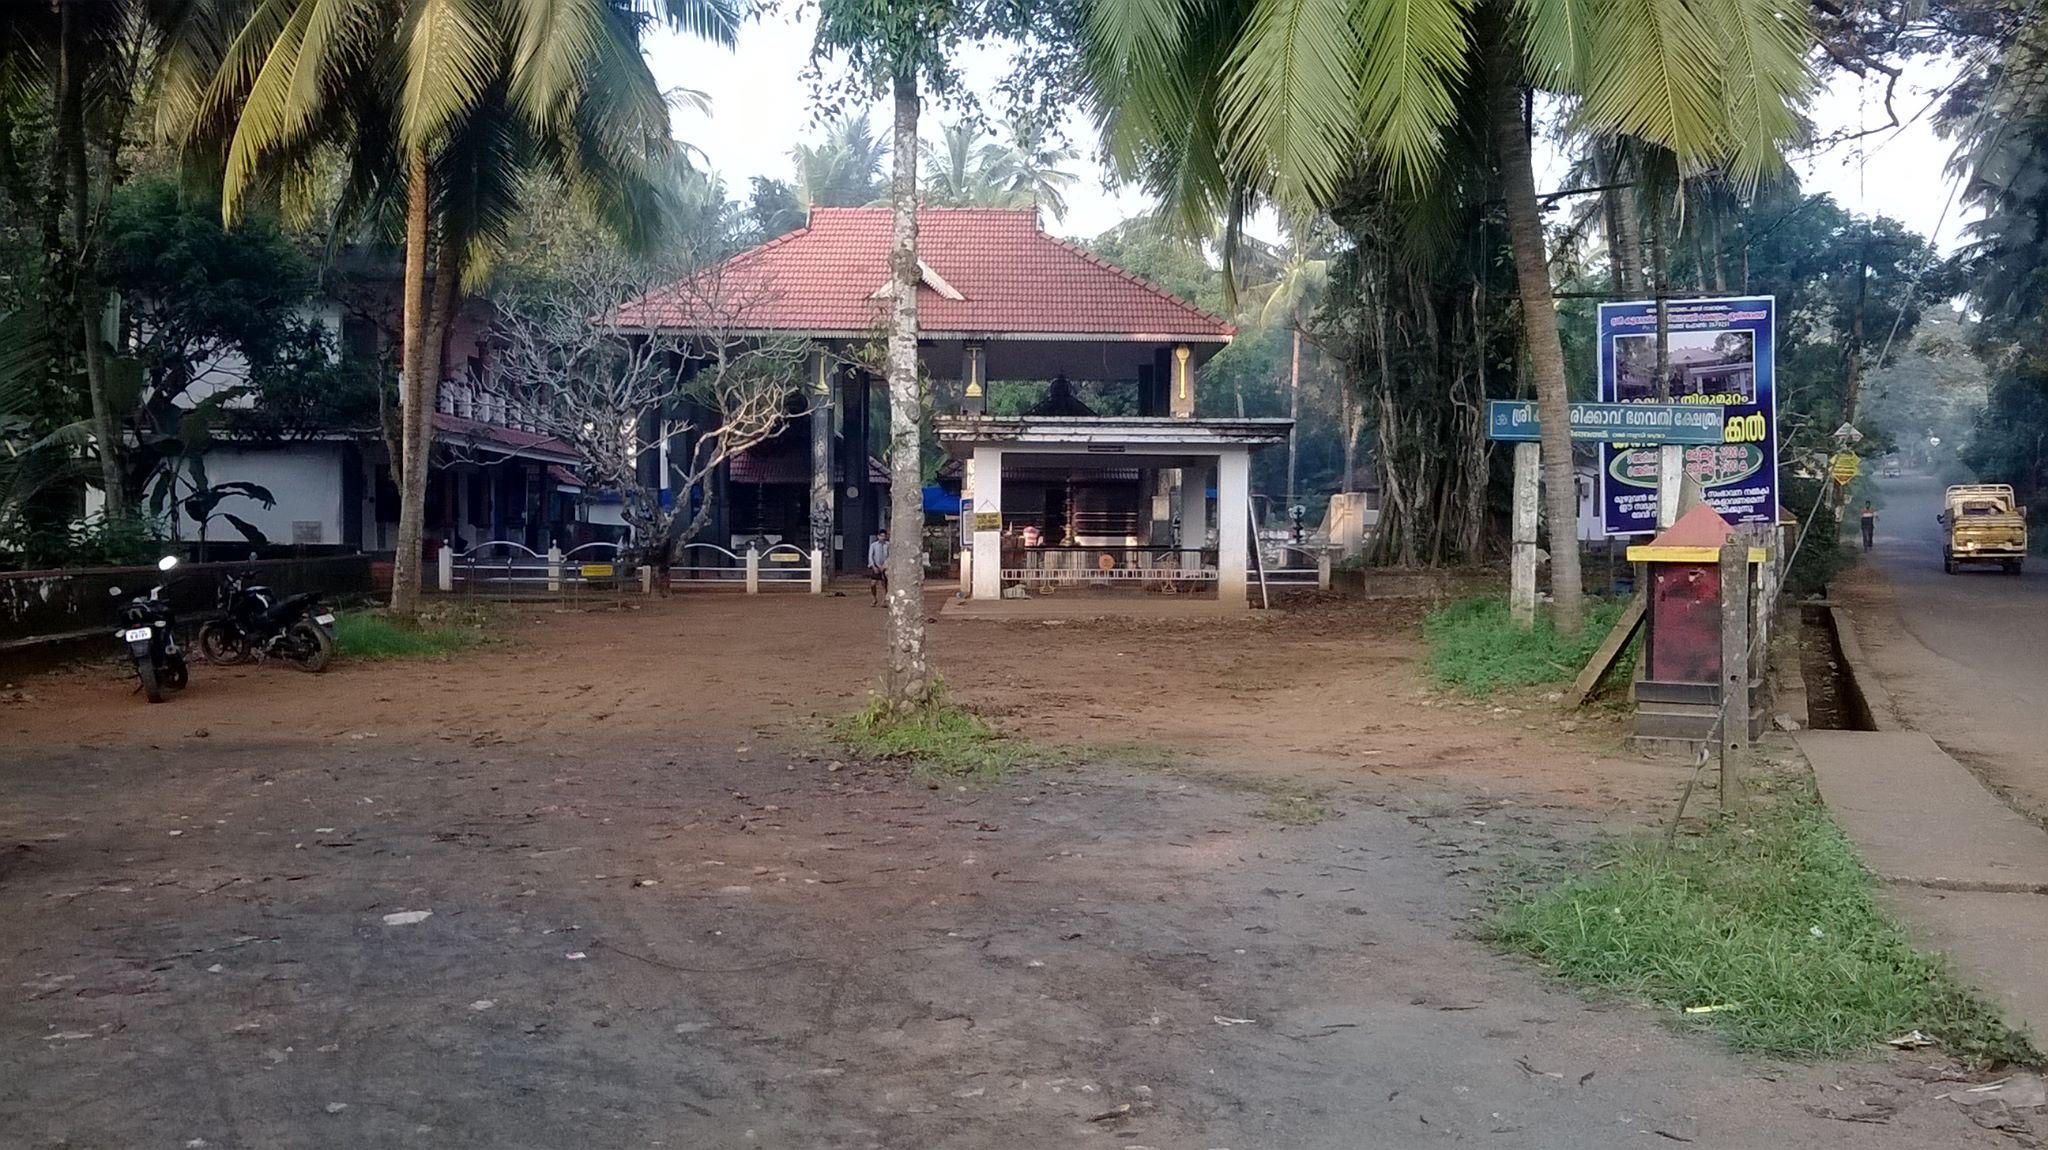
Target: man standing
[
  {"x": 878, "y": 566},
  {"x": 1869, "y": 524}
]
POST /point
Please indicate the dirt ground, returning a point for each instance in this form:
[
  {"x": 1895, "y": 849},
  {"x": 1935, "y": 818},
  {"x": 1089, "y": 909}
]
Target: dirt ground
[{"x": 665, "y": 913}]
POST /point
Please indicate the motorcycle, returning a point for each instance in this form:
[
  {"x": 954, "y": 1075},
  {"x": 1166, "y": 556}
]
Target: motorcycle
[
  {"x": 150, "y": 633},
  {"x": 256, "y": 624}
]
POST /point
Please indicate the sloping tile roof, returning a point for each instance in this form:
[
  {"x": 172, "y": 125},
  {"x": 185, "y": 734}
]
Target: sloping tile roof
[
  {"x": 1013, "y": 280},
  {"x": 500, "y": 439}
]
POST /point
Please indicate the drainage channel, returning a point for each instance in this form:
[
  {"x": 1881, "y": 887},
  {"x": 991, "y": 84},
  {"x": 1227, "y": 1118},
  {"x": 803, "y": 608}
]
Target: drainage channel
[{"x": 1833, "y": 702}]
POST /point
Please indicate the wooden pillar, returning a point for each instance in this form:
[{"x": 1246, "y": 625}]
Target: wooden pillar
[
  {"x": 1522, "y": 570},
  {"x": 1734, "y": 668}
]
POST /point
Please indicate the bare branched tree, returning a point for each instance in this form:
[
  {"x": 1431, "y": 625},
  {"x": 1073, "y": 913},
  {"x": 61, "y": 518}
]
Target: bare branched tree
[{"x": 618, "y": 396}]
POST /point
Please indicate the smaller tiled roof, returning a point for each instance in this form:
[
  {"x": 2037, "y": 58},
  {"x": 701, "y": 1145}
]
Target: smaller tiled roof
[
  {"x": 1007, "y": 278},
  {"x": 503, "y": 440}
]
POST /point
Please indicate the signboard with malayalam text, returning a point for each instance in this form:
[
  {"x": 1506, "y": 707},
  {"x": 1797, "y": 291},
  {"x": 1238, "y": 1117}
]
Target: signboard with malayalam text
[
  {"x": 1718, "y": 353},
  {"x": 1512, "y": 420}
]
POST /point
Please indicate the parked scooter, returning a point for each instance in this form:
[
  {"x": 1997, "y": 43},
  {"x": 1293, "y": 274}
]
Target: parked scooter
[
  {"x": 256, "y": 624},
  {"x": 151, "y": 637}
]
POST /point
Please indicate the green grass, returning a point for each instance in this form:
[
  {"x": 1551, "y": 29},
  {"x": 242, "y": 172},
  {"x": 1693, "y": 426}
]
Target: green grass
[
  {"x": 944, "y": 740},
  {"x": 1769, "y": 918},
  {"x": 374, "y": 635},
  {"x": 1476, "y": 649}
]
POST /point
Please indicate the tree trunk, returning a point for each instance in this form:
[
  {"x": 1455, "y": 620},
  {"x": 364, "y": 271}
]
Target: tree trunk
[
  {"x": 1293, "y": 413},
  {"x": 1660, "y": 277},
  {"x": 1539, "y": 331},
  {"x": 909, "y": 681},
  {"x": 1348, "y": 401},
  {"x": 78, "y": 198},
  {"x": 1624, "y": 236},
  {"x": 416, "y": 397}
]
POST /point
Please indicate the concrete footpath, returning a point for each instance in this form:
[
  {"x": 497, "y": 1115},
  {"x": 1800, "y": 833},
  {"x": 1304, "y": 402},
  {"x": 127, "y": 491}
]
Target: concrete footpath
[{"x": 1965, "y": 873}]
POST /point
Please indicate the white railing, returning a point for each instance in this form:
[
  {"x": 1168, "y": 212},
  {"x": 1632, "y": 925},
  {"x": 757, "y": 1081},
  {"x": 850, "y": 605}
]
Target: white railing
[
  {"x": 1296, "y": 565},
  {"x": 782, "y": 565},
  {"x": 502, "y": 566}
]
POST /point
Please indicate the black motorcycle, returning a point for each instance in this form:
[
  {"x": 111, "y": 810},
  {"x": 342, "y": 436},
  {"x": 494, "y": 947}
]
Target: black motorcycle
[
  {"x": 256, "y": 624},
  {"x": 150, "y": 634}
]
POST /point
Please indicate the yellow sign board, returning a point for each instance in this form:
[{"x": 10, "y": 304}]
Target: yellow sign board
[
  {"x": 988, "y": 521},
  {"x": 1845, "y": 467},
  {"x": 597, "y": 570}
]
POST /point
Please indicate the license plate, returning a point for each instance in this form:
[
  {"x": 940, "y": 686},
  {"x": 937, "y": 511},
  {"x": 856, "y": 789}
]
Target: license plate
[
  {"x": 136, "y": 634},
  {"x": 324, "y": 620}
]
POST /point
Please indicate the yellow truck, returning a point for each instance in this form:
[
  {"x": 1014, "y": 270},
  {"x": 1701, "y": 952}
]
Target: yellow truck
[{"x": 1981, "y": 524}]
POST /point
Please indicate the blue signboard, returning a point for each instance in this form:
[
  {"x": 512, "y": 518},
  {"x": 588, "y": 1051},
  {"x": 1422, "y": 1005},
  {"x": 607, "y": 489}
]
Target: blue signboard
[
  {"x": 1515, "y": 420},
  {"x": 1718, "y": 352}
]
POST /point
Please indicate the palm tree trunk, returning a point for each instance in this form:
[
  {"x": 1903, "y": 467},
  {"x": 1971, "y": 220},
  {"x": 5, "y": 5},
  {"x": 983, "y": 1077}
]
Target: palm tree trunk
[
  {"x": 1625, "y": 234},
  {"x": 1539, "y": 331},
  {"x": 1293, "y": 413},
  {"x": 78, "y": 196},
  {"x": 909, "y": 681},
  {"x": 416, "y": 397}
]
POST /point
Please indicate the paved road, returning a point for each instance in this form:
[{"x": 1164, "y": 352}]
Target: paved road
[
  {"x": 1981, "y": 616},
  {"x": 1965, "y": 656}
]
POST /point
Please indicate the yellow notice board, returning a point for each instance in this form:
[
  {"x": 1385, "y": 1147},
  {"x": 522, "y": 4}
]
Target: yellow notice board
[
  {"x": 988, "y": 521},
  {"x": 597, "y": 570}
]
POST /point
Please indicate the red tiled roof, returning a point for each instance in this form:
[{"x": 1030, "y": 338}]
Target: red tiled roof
[
  {"x": 497, "y": 437},
  {"x": 1014, "y": 280},
  {"x": 1700, "y": 527}
]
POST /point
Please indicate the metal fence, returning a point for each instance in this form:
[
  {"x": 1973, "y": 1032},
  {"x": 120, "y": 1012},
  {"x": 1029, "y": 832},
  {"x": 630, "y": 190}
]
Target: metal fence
[
  {"x": 1175, "y": 568},
  {"x": 504, "y": 569}
]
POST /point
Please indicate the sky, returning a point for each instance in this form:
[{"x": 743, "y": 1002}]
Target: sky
[{"x": 761, "y": 107}]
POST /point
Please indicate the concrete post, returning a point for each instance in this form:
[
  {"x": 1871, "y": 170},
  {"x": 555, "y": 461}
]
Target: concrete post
[
  {"x": 647, "y": 578},
  {"x": 965, "y": 540},
  {"x": 753, "y": 570},
  {"x": 554, "y": 567},
  {"x": 1194, "y": 513},
  {"x": 1233, "y": 526},
  {"x": 988, "y": 524},
  {"x": 1734, "y": 668},
  {"x": 1522, "y": 536},
  {"x": 817, "y": 570},
  {"x": 1670, "y": 480},
  {"x": 445, "y": 576},
  {"x": 1323, "y": 569}
]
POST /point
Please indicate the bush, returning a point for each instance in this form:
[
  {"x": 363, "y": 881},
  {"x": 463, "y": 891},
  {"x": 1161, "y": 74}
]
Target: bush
[
  {"x": 1476, "y": 648},
  {"x": 1768, "y": 924}
]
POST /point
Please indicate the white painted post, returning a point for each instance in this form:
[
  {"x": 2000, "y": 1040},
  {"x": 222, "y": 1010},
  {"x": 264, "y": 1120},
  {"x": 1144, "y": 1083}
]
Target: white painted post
[
  {"x": 966, "y": 532},
  {"x": 1323, "y": 569},
  {"x": 1194, "y": 513},
  {"x": 753, "y": 570},
  {"x": 1670, "y": 480},
  {"x": 988, "y": 544},
  {"x": 1522, "y": 535},
  {"x": 554, "y": 567},
  {"x": 647, "y": 578},
  {"x": 445, "y": 576},
  {"x": 818, "y": 570},
  {"x": 1233, "y": 527}
]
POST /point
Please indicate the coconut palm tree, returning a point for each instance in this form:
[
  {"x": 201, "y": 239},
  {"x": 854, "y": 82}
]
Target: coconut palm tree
[
  {"x": 1034, "y": 162},
  {"x": 1210, "y": 101},
  {"x": 448, "y": 100},
  {"x": 1287, "y": 301},
  {"x": 965, "y": 168},
  {"x": 844, "y": 170}
]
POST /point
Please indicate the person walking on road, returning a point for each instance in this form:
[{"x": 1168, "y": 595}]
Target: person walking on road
[
  {"x": 878, "y": 567},
  {"x": 1869, "y": 524}
]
